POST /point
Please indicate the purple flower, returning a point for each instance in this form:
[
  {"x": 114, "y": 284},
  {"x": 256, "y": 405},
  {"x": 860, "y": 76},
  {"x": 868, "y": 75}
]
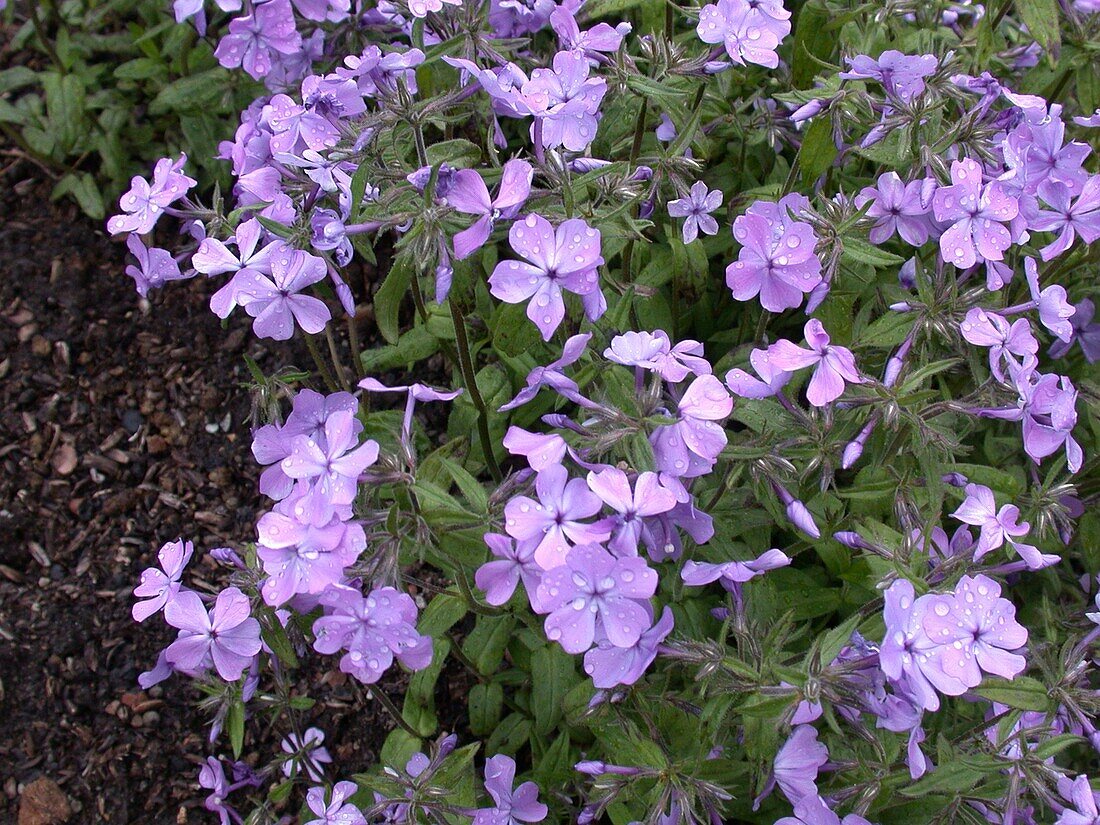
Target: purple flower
[
  {"x": 373, "y": 630},
  {"x": 512, "y": 806},
  {"x": 254, "y": 41},
  {"x": 694, "y": 208},
  {"x": 979, "y": 509},
  {"x": 1069, "y": 219},
  {"x": 907, "y": 655},
  {"x": 600, "y": 38},
  {"x": 977, "y": 215},
  {"x": 797, "y": 763},
  {"x": 227, "y": 636},
  {"x": 308, "y": 753},
  {"x": 565, "y": 102},
  {"x": 1084, "y": 800},
  {"x": 1054, "y": 308},
  {"x": 275, "y": 301},
  {"x": 976, "y": 630},
  {"x": 833, "y": 365},
  {"x": 540, "y": 450},
  {"x": 300, "y": 557},
  {"x": 421, "y": 8},
  {"x": 555, "y": 519},
  {"x": 334, "y": 467},
  {"x": 688, "y": 447},
  {"x": 898, "y": 207},
  {"x": 812, "y": 810},
  {"x": 155, "y": 268},
  {"x": 515, "y": 561},
  {"x": 336, "y": 811},
  {"x": 1014, "y": 345},
  {"x": 750, "y": 31},
  {"x": 592, "y": 590},
  {"x": 553, "y": 378},
  {"x": 611, "y": 666},
  {"x": 1086, "y": 333},
  {"x": 161, "y": 585},
  {"x": 901, "y": 75},
  {"x": 415, "y": 392},
  {"x": 777, "y": 260},
  {"x": 145, "y": 202},
  {"x": 732, "y": 574},
  {"x": 212, "y": 777},
  {"x": 469, "y": 194},
  {"x": 771, "y": 380},
  {"x": 296, "y": 128},
  {"x": 566, "y": 259},
  {"x": 648, "y": 498},
  {"x": 1047, "y": 408},
  {"x": 654, "y": 351}
]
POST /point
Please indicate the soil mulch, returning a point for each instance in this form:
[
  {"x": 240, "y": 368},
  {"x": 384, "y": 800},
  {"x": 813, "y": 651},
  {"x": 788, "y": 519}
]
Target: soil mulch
[{"x": 123, "y": 424}]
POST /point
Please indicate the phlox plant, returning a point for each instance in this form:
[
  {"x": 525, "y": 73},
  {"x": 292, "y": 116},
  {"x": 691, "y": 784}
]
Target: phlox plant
[{"x": 727, "y": 413}]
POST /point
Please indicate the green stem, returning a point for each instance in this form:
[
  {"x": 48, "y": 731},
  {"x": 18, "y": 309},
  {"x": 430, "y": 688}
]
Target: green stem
[
  {"x": 470, "y": 380},
  {"x": 315, "y": 351},
  {"x": 393, "y": 710}
]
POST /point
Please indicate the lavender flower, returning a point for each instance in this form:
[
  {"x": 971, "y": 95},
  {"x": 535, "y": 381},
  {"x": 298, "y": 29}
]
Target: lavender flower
[
  {"x": 688, "y": 447},
  {"x": 593, "y": 591},
  {"x": 308, "y": 754},
  {"x": 515, "y": 562},
  {"x": 161, "y": 585},
  {"x": 655, "y": 351},
  {"x": 145, "y": 202},
  {"x": 797, "y": 764},
  {"x": 694, "y": 208},
  {"x": 469, "y": 194},
  {"x": 155, "y": 268},
  {"x": 648, "y": 498},
  {"x": 898, "y": 207},
  {"x": 227, "y": 637},
  {"x": 255, "y": 41},
  {"x": 1081, "y": 216},
  {"x": 566, "y": 259},
  {"x": 833, "y": 365},
  {"x": 732, "y": 574},
  {"x": 337, "y": 811},
  {"x": 275, "y": 301},
  {"x": 1013, "y": 345},
  {"x": 512, "y": 806},
  {"x": 976, "y": 214},
  {"x": 998, "y": 526},
  {"x": 901, "y": 75},
  {"x": 750, "y": 31},
  {"x": 611, "y": 666}
]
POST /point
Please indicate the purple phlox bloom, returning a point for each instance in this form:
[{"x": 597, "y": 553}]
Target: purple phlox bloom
[
  {"x": 1048, "y": 409},
  {"x": 332, "y": 96},
  {"x": 276, "y": 302},
  {"x": 1084, "y": 800},
  {"x": 332, "y": 11},
  {"x": 541, "y": 450},
  {"x": 145, "y": 202},
  {"x": 564, "y": 259},
  {"x": 552, "y": 377},
  {"x": 159, "y": 585},
  {"x": 300, "y": 557},
  {"x": 666, "y": 129},
  {"x": 1012, "y": 344},
  {"x": 226, "y": 636},
  {"x": 695, "y": 208},
  {"x": 565, "y": 102},
  {"x": 833, "y": 365},
  {"x": 421, "y": 8},
  {"x": 296, "y": 128},
  {"x": 797, "y": 763},
  {"x": 214, "y": 258},
  {"x": 660, "y": 534},
  {"x": 611, "y": 666},
  {"x": 898, "y": 207},
  {"x": 600, "y": 38},
  {"x": 907, "y": 655},
  {"x": 1038, "y": 145},
  {"x": 976, "y": 215},
  {"x": 308, "y": 754},
  {"x": 593, "y": 590},
  {"x": 732, "y": 574},
  {"x": 812, "y": 810},
  {"x": 976, "y": 630},
  {"x": 655, "y": 351},
  {"x": 469, "y": 194},
  {"x": 1069, "y": 219},
  {"x": 771, "y": 380},
  {"x": 155, "y": 268},
  {"x": 1090, "y": 122},
  {"x": 777, "y": 260},
  {"x": 556, "y": 518},
  {"x": 997, "y": 527},
  {"x": 514, "y": 562},
  {"x": 255, "y": 40},
  {"x": 328, "y": 233},
  {"x": 1086, "y": 332},
  {"x": 512, "y": 805},
  {"x": 689, "y": 447},
  {"x": 373, "y": 630},
  {"x": 330, "y": 175},
  {"x": 901, "y": 75},
  {"x": 648, "y": 498},
  {"x": 1054, "y": 308},
  {"x": 334, "y": 467},
  {"x": 750, "y": 31},
  {"x": 212, "y": 778},
  {"x": 415, "y": 392},
  {"x": 336, "y": 811}
]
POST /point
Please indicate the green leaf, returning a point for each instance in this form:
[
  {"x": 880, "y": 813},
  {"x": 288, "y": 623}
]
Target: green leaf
[
  {"x": 485, "y": 702},
  {"x": 459, "y": 153},
  {"x": 415, "y": 345},
  {"x": 196, "y": 93},
  {"x": 387, "y": 301},
  {"x": 65, "y": 98},
  {"x": 513, "y": 332},
  {"x": 1041, "y": 17},
  {"x": 1023, "y": 693},
  {"x": 84, "y": 190},
  {"x": 949, "y": 777},
  {"x": 818, "y": 150},
  {"x": 813, "y": 42},
  {"x": 1055, "y": 745},
  {"x": 553, "y": 676},
  {"x": 865, "y": 253},
  {"x": 510, "y": 735},
  {"x": 442, "y": 613},
  {"x": 234, "y": 723},
  {"x": 274, "y": 634},
  {"x": 486, "y": 643}
]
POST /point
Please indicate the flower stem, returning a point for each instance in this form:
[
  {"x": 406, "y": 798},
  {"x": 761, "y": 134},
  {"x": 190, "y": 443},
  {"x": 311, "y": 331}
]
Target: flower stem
[
  {"x": 315, "y": 351},
  {"x": 469, "y": 379}
]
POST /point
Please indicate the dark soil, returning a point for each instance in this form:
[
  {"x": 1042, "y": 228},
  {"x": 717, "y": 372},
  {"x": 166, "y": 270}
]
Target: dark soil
[{"x": 123, "y": 424}]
